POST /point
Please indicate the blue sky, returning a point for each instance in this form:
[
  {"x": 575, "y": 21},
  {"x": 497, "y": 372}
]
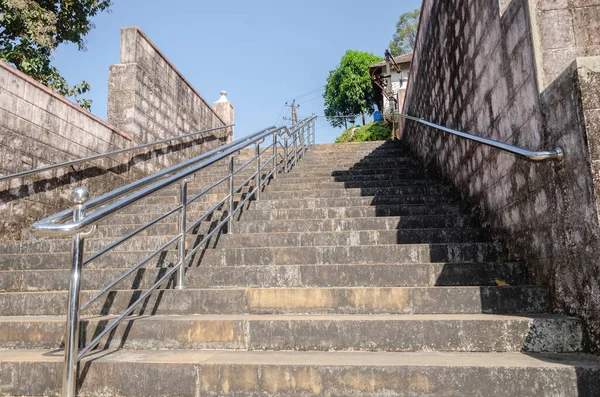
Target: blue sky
[{"x": 262, "y": 52}]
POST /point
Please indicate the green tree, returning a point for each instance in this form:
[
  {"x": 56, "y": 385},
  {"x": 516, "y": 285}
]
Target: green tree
[
  {"x": 404, "y": 39},
  {"x": 33, "y": 29},
  {"x": 349, "y": 91}
]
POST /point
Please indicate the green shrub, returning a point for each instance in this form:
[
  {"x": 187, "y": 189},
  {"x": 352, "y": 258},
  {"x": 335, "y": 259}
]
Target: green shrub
[{"x": 371, "y": 132}]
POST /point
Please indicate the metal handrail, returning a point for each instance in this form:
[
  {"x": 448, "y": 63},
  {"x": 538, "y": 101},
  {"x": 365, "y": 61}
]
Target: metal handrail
[
  {"x": 558, "y": 154},
  {"x": 99, "y": 156},
  {"x": 124, "y": 190},
  {"x": 76, "y": 221}
]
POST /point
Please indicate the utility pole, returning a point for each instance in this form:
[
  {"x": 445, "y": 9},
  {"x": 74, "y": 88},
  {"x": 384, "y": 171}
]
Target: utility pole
[{"x": 294, "y": 113}]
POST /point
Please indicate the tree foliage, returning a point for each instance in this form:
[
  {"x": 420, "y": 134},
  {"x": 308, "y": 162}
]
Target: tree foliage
[
  {"x": 405, "y": 37},
  {"x": 349, "y": 91},
  {"x": 33, "y": 29}
]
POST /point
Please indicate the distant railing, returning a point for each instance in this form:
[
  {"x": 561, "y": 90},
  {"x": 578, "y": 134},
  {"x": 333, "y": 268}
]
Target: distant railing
[
  {"x": 81, "y": 223},
  {"x": 103, "y": 155},
  {"x": 558, "y": 154}
]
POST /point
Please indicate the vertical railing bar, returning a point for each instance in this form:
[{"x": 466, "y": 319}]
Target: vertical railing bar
[
  {"x": 275, "y": 157},
  {"x": 287, "y": 157},
  {"x": 69, "y": 386},
  {"x": 295, "y": 147},
  {"x": 258, "y": 171},
  {"x": 182, "y": 231},
  {"x": 231, "y": 203}
]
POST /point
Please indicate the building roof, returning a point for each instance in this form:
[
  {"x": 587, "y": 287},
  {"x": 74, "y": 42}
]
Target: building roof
[{"x": 404, "y": 58}]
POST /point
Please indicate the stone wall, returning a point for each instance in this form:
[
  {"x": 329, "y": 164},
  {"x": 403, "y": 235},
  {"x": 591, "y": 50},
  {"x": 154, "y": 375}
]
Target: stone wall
[
  {"x": 474, "y": 70},
  {"x": 562, "y": 31},
  {"x": 39, "y": 128},
  {"x": 149, "y": 100}
]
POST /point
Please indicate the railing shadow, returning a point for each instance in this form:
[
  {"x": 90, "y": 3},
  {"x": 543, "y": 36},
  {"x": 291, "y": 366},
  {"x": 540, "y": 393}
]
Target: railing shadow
[{"x": 135, "y": 284}]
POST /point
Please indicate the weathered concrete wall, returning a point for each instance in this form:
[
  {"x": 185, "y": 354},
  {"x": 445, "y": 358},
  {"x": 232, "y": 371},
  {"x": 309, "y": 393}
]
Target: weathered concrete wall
[
  {"x": 474, "y": 70},
  {"x": 150, "y": 99},
  {"x": 39, "y": 128},
  {"x": 562, "y": 31}
]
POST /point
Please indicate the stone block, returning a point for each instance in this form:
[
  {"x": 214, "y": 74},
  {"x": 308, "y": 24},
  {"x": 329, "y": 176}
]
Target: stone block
[
  {"x": 129, "y": 37},
  {"x": 556, "y": 29},
  {"x": 586, "y": 25},
  {"x": 588, "y": 70},
  {"x": 547, "y": 5}
]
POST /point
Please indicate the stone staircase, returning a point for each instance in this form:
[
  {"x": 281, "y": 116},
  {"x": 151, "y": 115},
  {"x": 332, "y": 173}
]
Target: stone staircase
[{"x": 357, "y": 274}]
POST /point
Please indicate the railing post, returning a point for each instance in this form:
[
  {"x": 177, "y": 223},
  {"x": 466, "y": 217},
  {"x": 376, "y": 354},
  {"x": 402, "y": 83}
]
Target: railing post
[
  {"x": 306, "y": 141},
  {"x": 302, "y": 140},
  {"x": 258, "y": 178},
  {"x": 231, "y": 203},
  {"x": 295, "y": 147},
  {"x": 287, "y": 156},
  {"x": 275, "y": 159},
  {"x": 182, "y": 231},
  {"x": 69, "y": 386}
]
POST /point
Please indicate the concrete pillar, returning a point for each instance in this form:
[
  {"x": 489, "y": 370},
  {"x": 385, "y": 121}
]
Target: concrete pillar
[{"x": 224, "y": 109}]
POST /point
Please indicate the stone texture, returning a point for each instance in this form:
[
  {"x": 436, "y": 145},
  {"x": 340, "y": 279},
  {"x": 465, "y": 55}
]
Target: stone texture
[
  {"x": 281, "y": 374},
  {"x": 148, "y": 100},
  {"x": 546, "y": 213},
  {"x": 152, "y": 100},
  {"x": 296, "y": 293},
  {"x": 562, "y": 31}
]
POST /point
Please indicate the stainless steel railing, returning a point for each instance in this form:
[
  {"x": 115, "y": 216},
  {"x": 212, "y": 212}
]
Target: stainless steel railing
[
  {"x": 103, "y": 155},
  {"x": 558, "y": 154},
  {"x": 82, "y": 220}
]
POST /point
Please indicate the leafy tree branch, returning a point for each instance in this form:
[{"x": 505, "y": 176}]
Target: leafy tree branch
[{"x": 31, "y": 30}]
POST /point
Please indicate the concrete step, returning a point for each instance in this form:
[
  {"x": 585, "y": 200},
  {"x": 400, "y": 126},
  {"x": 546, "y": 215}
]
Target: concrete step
[
  {"x": 284, "y": 374},
  {"x": 355, "y": 224},
  {"x": 415, "y": 253},
  {"x": 293, "y": 179},
  {"x": 354, "y": 238},
  {"x": 316, "y": 172},
  {"x": 166, "y": 227},
  {"x": 377, "y": 162},
  {"x": 277, "y": 239},
  {"x": 144, "y": 218},
  {"x": 353, "y": 185},
  {"x": 349, "y": 212},
  {"x": 339, "y": 300},
  {"x": 94, "y": 244},
  {"x": 63, "y": 260},
  {"x": 408, "y": 253},
  {"x": 371, "y": 192},
  {"x": 307, "y": 170},
  {"x": 162, "y": 208},
  {"x": 222, "y": 190},
  {"x": 362, "y": 159},
  {"x": 376, "y": 332},
  {"x": 278, "y": 276},
  {"x": 377, "y": 201}
]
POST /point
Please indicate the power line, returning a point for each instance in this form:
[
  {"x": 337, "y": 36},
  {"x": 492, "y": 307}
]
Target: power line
[
  {"x": 310, "y": 92},
  {"x": 310, "y": 100},
  {"x": 280, "y": 113},
  {"x": 281, "y": 120}
]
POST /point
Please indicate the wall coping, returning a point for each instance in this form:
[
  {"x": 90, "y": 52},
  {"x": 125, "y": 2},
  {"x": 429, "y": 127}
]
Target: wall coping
[
  {"x": 64, "y": 100},
  {"x": 179, "y": 74}
]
